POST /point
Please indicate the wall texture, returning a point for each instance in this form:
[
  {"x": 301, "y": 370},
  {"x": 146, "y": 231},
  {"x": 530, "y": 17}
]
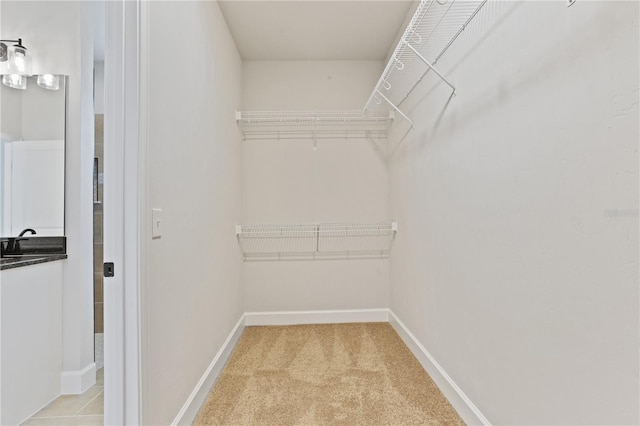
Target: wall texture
[
  {"x": 288, "y": 181},
  {"x": 518, "y": 265},
  {"x": 193, "y": 296}
]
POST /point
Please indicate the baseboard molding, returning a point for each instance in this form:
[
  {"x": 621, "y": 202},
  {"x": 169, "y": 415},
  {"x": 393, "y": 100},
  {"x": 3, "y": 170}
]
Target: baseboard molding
[
  {"x": 77, "y": 382},
  {"x": 460, "y": 402},
  {"x": 316, "y": 317},
  {"x": 189, "y": 410}
]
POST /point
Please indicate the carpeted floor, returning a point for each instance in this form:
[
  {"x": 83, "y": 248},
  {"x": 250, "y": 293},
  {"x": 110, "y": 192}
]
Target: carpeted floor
[{"x": 333, "y": 374}]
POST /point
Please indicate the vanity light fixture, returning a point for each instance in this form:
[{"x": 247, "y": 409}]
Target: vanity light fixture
[
  {"x": 19, "y": 63},
  {"x": 18, "y": 56},
  {"x": 15, "y": 81},
  {"x": 4, "y": 52},
  {"x": 49, "y": 81}
]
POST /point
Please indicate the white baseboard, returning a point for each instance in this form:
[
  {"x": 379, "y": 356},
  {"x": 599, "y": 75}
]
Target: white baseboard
[
  {"x": 78, "y": 381},
  {"x": 460, "y": 402},
  {"x": 189, "y": 410},
  {"x": 316, "y": 317}
]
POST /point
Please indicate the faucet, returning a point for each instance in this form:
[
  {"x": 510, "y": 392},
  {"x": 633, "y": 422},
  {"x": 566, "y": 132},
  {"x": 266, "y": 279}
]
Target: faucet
[
  {"x": 27, "y": 230},
  {"x": 12, "y": 247},
  {"x": 13, "y": 244}
]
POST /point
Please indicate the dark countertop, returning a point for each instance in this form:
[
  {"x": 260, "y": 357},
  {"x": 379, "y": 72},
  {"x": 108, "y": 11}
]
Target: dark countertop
[
  {"x": 19, "y": 261},
  {"x": 16, "y": 252}
]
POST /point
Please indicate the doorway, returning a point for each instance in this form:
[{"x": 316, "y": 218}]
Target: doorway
[
  {"x": 98, "y": 188},
  {"x": 98, "y": 243}
]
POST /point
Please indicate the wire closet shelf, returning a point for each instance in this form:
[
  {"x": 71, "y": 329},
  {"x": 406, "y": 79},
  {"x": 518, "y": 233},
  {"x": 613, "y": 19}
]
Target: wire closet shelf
[
  {"x": 435, "y": 25},
  {"x": 290, "y": 241},
  {"x": 313, "y": 124}
]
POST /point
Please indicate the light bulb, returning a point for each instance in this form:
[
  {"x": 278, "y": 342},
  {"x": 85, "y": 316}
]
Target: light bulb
[
  {"x": 49, "y": 81},
  {"x": 15, "y": 81},
  {"x": 20, "y": 61}
]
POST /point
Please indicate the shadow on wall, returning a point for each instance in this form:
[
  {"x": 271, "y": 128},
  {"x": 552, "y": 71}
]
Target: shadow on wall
[
  {"x": 544, "y": 64},
  {"x": 437, "y": 121},
  {"x": 380, "y": 147},
  {"x": 488, "y": 21}
]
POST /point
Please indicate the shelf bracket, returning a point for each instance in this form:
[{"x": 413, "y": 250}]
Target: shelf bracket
[
  {"x": 394, "y": 107},
  {"x": 427, "y": 63},
  {"x": 238, "y": 119}
]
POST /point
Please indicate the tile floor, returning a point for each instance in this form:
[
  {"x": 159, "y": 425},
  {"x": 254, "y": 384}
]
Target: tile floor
[{"x": 85, "y": 409}]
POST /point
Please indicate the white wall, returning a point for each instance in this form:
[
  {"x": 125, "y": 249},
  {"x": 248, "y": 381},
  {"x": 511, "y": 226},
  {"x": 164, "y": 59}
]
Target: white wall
[
  {"x": 59, "y": 36},
  {"x": 98, "y": 91},
  {"x": 78, "y": 335},
  {"x": 31, "y": 319},
  {"x": 511, "y": 270},
  {"x": 194, "y": 296},
  {"x": 288, "y": 181}
]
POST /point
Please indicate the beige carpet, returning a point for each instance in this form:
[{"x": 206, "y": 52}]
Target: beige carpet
[{"x": 333, "y": 374}]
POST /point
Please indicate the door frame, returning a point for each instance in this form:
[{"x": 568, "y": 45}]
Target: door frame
[{"x": 124, "y": 201}]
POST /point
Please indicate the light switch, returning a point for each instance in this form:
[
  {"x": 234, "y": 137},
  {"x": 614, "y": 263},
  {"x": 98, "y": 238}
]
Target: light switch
[{"x": 156, "y": 223}]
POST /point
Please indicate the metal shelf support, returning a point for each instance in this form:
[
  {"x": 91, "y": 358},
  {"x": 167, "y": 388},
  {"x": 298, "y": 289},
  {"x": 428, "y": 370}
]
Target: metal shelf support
[
  {"x": 394, "y": 107},
  {"x": 427, "y": 63}
]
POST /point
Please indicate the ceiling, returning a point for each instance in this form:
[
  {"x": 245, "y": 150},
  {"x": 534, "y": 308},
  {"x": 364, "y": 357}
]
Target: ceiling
[{"x": 315, "y": 30}]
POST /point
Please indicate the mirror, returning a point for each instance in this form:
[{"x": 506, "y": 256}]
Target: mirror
[{"x": 32, "y": 153}]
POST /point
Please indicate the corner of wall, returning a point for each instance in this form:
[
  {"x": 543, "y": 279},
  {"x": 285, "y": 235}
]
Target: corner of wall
[
  {"x": 460, "y": 402},
  {"x": 198, "y": 396},
  {"x": 77, "y": 382}
]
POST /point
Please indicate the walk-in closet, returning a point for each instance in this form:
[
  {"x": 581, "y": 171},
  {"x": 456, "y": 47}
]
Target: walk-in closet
[{"x": 342, "y": 212}]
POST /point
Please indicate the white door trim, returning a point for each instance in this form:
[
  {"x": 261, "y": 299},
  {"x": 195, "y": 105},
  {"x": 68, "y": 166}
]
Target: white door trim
[{"x": 122, "y": 214}]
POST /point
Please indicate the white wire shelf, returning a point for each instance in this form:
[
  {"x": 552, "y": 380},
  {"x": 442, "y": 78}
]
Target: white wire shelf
[
  {"x": 313, "y": 124},
  {"x": 435, "y": 25},
  {"x": 349, "y": 240}
]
